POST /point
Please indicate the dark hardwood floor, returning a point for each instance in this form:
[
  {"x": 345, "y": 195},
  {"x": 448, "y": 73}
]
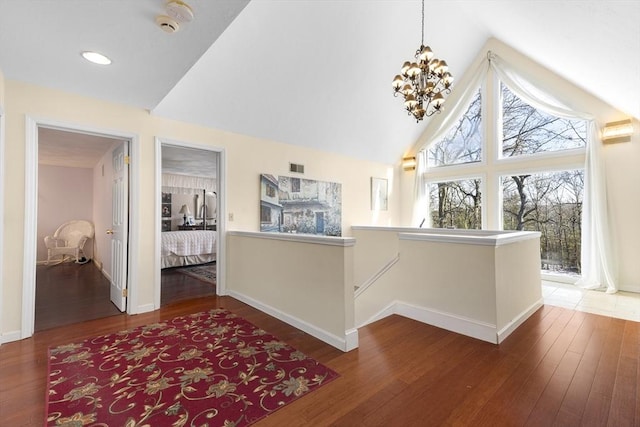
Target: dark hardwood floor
[
  {"x": 70, "y": 293},
  {"x": 178, "y": 287},
  {"x": 561, "y": 367}
]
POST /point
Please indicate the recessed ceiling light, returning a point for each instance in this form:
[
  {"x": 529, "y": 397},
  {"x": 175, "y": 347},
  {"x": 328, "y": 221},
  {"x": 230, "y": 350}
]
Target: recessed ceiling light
[{"x": 96, "y": 58}]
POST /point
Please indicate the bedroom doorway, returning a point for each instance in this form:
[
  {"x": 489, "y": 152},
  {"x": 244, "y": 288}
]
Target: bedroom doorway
[
  {"x": 68, "y": 166},
  {"x": 190, "y": 194}
]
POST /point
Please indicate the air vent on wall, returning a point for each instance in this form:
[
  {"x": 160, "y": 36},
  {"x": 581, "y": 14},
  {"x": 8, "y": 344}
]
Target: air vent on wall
[{"x": 296, "y": 168}]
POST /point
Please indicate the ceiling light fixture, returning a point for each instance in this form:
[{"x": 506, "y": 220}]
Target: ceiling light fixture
[
  {"x": 96, "y": 58},
  {"x": 180, "y": 11},
  {"x": 423, "y": 82}
]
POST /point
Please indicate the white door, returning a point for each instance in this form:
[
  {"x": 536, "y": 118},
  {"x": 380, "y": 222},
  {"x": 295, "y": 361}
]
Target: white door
[{"x": 120, "y": 225}]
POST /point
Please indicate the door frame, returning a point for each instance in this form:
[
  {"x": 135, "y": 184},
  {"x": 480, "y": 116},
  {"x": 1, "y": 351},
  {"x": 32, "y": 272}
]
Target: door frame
[
  {"x": 2, "y": 161},
  {"x": 31, "y": 212},
  {"x": 221, "y": 221}
]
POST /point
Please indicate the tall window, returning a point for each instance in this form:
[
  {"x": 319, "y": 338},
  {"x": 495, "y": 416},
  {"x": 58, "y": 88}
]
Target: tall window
[
  {"x": 527, "y": 130},
  {"x": 463, "y": 143},
  {"x": 550, "y": 203},
  {"x": 456, "y": 204},
  {"x": 535, "y": 172}
]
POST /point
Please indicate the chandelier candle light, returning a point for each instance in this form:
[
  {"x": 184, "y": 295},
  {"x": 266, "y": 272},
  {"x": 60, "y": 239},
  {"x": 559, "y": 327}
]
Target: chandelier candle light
[{"x": 423, "y": 81}]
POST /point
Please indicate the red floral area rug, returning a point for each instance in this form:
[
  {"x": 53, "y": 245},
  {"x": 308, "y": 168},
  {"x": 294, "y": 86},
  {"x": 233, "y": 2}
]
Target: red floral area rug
[{"x": 206, "y": 369}]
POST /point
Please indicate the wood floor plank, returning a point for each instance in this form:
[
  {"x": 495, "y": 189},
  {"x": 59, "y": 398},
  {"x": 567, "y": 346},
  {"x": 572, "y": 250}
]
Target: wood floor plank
[
  {"x": 404, "y": 372},
  {"x": 511, "y": 394},
  {"x": 599, "y": 402},
  {"x": 575, "y": 399},
  {"x": 623, "y": 401}
]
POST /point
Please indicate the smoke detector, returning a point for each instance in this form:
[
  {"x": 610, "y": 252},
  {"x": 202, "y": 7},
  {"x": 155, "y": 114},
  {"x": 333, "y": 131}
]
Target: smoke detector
[
  {"x": 180, "y": 11},
  {"x": 167, "y": 24}
]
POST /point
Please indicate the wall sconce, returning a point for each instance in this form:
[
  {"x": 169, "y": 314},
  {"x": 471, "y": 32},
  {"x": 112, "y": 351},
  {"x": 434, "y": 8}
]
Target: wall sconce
[
  {"x": 409, "y": 163},
  {"x": 617, "y": 131}
]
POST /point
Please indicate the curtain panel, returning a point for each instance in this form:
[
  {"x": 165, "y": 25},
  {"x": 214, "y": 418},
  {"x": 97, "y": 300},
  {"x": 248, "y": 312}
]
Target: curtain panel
[{"x": 185, "y": 184}]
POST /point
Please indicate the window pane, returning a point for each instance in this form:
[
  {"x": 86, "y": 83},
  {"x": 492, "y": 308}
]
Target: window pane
[
  {"x": 550, "y": 203},
  {"x": 526, "y": 130},
  {"x": 463, "y": 143},
  {"x": 456, "y": 204}
]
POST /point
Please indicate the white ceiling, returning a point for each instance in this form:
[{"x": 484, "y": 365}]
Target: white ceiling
[
  {"x": 71, "y": 149},
  {"x": 189, "y": 161},
  {"x": 310, "y": 72}
]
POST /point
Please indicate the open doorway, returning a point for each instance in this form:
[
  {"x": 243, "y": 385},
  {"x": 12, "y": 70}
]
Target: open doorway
[
  {"x": 190, "y": 207},
  {"x": 81, "y": 178}
]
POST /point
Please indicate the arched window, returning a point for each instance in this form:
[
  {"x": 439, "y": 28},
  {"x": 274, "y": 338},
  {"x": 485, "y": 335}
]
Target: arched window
[{"x": 529, "y": 163}]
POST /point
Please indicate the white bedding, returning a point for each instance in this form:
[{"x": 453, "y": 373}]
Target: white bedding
[{"x": 183, "y": 247}]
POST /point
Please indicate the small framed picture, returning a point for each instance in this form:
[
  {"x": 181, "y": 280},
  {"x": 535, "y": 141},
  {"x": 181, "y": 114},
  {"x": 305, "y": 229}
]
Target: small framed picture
[
  {"x": 166, "y": 211},
  {"x": 166, "y": 197},
  {"x": 379, "y": 194},
  {"x": 166, "y": 225}
]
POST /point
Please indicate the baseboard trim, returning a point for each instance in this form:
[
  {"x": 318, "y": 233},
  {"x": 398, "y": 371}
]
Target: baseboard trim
[
  {"x": 10, "y": 337},
  {"x": 451, "y": 322},
  {"x": 346, "y": 343},
  {"x": 635, "y": 289},
  {"x": 519, "y": 320},
  {"x": 145, "y": 308},
  {"x": 106, "y": 274}
]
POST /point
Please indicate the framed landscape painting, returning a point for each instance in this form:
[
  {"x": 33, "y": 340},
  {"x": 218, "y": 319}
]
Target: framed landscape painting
[{"x": 298, "y": 205}]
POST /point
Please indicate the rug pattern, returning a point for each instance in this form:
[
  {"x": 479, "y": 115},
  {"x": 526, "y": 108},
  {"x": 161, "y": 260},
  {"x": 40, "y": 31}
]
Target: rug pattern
[
  {"x": 204, "y": 272},
  {"x": 206, "y": 369}
]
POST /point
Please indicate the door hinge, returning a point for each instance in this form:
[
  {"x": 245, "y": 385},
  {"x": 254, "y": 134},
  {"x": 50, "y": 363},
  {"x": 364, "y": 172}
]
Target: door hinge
[
  {"x": 125, "y": 294},
  {"x": 127, "y": 160}
]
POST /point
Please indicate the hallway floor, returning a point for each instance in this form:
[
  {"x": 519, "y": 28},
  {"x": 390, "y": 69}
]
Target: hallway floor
[{"x": 621, "y": 305}]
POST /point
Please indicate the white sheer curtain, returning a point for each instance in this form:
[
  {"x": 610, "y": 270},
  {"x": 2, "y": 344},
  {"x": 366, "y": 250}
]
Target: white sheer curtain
[
  {"x": 597, "y": 257},
  {"x": 420, "y": 192}
]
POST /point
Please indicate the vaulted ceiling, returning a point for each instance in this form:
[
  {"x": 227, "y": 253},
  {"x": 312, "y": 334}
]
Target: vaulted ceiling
[{"x": 309, "y": 72}]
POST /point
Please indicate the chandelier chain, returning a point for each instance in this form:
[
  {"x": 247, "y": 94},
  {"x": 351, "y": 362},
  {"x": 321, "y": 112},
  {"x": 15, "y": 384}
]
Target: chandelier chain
[
  {"x": 422, "y": 39},
  {"x": 423, "y": 81}
]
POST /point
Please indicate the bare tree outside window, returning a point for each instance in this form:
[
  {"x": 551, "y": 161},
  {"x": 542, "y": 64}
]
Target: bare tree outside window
[
  {"x": 550, "y": 203},
  {"x": 463, "y": 143},
  {"x": 527, "y": 130},
  {"x": 536, "y": 199},
  {"x": 456, "y": 204}
]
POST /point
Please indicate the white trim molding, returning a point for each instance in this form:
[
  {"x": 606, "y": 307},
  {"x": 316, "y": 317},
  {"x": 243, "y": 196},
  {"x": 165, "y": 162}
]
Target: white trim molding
[
  {"x": 299, "y": 238},
  {"x": 2, "y": 160},
  {"x": 451, "y": 322},
  {"x": 221, "y": 225},
  {"x": 519, "y": 320},
  {"x": 31, "y": 208},
  {"x": 346, "y": 343}
]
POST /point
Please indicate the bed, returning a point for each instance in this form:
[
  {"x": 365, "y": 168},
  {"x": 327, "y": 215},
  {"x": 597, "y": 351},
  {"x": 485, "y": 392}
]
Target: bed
[{"x": 187, "y": 247}]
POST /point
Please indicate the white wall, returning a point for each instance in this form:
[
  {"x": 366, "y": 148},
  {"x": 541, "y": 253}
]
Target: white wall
[
  {"x": 306, "y": 281},
  {"x": 64, "y": 194},
  {"x": 475, "y": 282},
  {"x": 246, "y": 159}
]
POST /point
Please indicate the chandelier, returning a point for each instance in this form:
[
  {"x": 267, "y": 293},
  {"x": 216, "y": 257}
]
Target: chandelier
[{"x": 423, "y": 81}]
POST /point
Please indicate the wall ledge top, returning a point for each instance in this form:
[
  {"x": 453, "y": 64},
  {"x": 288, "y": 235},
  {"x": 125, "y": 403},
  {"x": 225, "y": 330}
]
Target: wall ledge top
[{"x": 299, "y": 238}]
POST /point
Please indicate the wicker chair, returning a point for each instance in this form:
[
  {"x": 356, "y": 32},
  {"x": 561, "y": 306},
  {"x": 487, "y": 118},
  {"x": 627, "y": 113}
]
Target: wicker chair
[{"x": 69, "y": 239}]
